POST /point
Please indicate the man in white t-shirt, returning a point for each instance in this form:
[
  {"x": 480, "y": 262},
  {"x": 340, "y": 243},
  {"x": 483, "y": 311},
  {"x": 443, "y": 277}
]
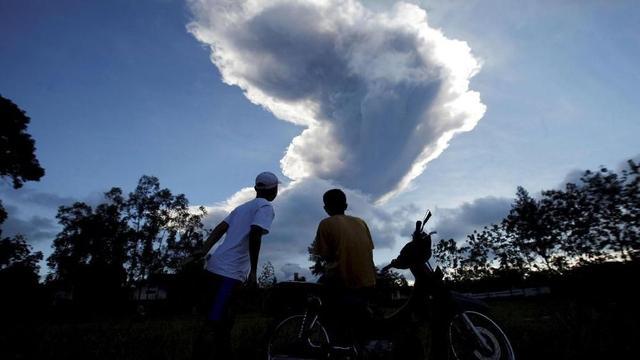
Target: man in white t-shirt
[{"x": 234, "y": 261}]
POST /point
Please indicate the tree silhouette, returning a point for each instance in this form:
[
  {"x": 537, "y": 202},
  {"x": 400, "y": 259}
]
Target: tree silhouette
[
  {"x": 390, "y": 279},
  {"x": 448, "y": 256},
  {"x": 18, "y": 161},
  {"x": 594, "y": 220},
  {"x": 267, "y": 276},
  {"x": 510, "y": 262},
  {"x": 17, "y": 149},
  {"x": 163, "y": 229},
  {"x": 16, "y": 253},
  {"x": 126, "y": 238},
  {"x": 630, "y": 216},
  {"x": 574, "y": 216},
  {"x": 532, "y": 225},
  {"x": 18, "y": 264},
  {"x": 477, "y": 251},
  {"x": 319, "y": 265},
  {"x": 91, "y": 238},
  {"x": 19, "y": 278},
  {"x": 613, "y": 199}
]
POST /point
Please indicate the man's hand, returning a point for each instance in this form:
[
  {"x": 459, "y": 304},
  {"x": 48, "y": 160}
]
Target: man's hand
[
  {"x": 392, "y": 264},
  {"x": 196, "y": 256},
  {"x": 252, "y": 282},
  {"x": 198, "y": 253}
]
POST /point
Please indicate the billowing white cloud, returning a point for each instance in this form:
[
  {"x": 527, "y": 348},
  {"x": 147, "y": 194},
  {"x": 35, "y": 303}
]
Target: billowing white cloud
[{"x": 378, "y": 93}]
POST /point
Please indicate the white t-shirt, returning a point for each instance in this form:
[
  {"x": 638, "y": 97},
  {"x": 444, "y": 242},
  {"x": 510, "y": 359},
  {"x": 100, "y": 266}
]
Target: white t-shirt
[{"x": 231, "y": 258}]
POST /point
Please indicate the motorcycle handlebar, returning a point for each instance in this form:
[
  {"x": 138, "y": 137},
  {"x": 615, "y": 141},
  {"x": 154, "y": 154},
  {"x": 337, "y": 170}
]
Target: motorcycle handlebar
[
  {"x": 418, "y": 233},
  {"x": 386, "y": 268}
]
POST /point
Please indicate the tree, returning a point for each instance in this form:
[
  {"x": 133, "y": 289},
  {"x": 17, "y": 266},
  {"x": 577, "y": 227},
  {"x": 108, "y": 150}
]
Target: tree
[
  {"x": 631, "y": 213},
  {"x": 613, "y": 198},
  {"x": 477, "y": 250},
  {"x": 19, "y": 279},
  {"x": 126, "y": 238},
  {"x": 18, "y": 162},
  {"x": 164, "y": 230},
  {"x": 16, "y": 253},
  {"x": 508, "y": 260},
  {"x": 594, "y": 220},
  {"x": 267, "y": 276},
  {"x": 17, "y": 149},
  {"x": 319, "y": 265},
  {"x": 531, "y": 224},
  {"x": 448, "y": 256},
  {"x": 390, "y": 279},
  {"x": 572, "y": 220}
]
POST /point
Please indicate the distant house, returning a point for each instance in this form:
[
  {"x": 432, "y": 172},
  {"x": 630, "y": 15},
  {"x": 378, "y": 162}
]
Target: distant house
[
  {"x": 155, "y": 288},
  {"x": 400, "y": 294},
  {"x": 147, "y": 292},
  {"x": 62, "y": 296}
]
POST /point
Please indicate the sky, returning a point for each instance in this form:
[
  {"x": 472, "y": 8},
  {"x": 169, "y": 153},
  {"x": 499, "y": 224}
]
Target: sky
[{"x": 447, "y": 105}]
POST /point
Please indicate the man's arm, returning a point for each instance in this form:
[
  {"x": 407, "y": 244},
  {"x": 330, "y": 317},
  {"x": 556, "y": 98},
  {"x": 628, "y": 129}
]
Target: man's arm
[
  {"x": 212, "y": 239},
  {"x": 321, "y": 245},
  {"x": 255, "y": 239}
]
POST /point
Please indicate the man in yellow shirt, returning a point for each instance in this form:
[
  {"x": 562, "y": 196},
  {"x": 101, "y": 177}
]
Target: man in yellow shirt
[{"x": 344, "y": 244}]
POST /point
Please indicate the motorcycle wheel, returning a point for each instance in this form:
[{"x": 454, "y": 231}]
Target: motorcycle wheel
[
  {"x": 465, "y": 345},
  {"x": 286, "y": 342}
]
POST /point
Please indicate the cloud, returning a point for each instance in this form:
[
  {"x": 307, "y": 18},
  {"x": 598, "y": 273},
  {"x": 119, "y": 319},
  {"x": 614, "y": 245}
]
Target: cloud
[
  {"x": 379, "y": 94},
  {"x": 25, "y": 195},
  {"x": 34, "y": 229},
  {"x": 575, "y": 176},
  {"x": 456, "y": 223}
]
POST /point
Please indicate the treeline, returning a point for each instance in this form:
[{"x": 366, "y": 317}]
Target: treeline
[
  {"x": 18, "y": 164},
  {"x": 592, "y": 221},
  {"x": 104, "y": 251},
  {"x": 149, "y": 231}
]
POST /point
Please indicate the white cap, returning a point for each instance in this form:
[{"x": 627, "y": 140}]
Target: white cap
[{"x": 266, "y": 180}]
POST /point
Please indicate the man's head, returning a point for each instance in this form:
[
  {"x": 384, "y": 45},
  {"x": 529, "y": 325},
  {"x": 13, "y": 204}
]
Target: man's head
[
  {"x": 335, "y": 202},
  {"x": 266, "y": 186}
]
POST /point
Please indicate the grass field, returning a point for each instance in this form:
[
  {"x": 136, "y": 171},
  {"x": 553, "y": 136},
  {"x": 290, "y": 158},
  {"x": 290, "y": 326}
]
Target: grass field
[{"x": 540, "y": 328}]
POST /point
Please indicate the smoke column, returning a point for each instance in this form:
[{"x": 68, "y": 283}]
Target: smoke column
[{"x": 379, "y": 94}]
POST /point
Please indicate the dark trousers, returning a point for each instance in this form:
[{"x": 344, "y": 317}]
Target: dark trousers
[{"x": 213, "y": 338}]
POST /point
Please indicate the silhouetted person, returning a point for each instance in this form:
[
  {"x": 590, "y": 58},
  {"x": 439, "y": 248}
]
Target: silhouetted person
[
  {"x": 344, "y": 243},
  {"x": 234, "y": 261}
]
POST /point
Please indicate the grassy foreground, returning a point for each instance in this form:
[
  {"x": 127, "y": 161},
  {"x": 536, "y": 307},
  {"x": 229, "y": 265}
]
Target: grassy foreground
[{"x": 541, "y": 328}]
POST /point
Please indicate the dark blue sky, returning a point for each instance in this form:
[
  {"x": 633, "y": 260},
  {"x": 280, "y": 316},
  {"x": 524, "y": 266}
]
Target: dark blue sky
[{"x": 117, "y": 89}]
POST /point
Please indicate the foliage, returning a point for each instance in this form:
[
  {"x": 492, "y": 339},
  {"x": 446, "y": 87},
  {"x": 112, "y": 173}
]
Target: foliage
[
  {"x": 17, "y": 149},
  {"x": 390, "y": 279},
  {"x": 15, "y": 252},
  {"x": 267, "y": 277},
  {"x": 18, "y": 162},
  {"x": 163, "y": 229},
  {"x": 319, "y": 264},
  {"x": 592, "y": 221},
  {"x": 19, "y": 279},
  {"x": 149, "y": 231}
]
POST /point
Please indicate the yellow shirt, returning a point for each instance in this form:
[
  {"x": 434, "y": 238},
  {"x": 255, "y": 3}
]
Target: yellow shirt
[{"x": 345, "y": 243}]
